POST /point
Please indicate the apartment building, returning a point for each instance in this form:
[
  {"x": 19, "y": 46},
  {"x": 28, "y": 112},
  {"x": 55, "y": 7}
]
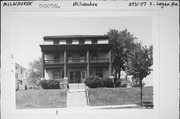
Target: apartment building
[{"x": 76, "y": 57}]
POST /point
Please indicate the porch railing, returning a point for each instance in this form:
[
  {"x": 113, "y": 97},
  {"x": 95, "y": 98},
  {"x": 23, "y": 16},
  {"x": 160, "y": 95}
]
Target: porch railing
[
  {"x": 76, "y": 60},
  {"x": 99, "y": 60},
  {"x": 54, "y": 61}
]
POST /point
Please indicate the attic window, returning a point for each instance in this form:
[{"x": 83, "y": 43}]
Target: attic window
[{"x": 55, "y": 41}]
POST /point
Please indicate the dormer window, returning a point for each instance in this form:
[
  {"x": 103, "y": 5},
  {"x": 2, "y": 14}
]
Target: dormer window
[
  {"x": 55, "y": 42},
  {"x": 75, "y": 42},
  {"x": 94, "y": 41}
]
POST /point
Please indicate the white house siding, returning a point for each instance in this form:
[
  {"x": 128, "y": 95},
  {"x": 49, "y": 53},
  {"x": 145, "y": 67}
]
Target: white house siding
[
  {"x": 20, "y": 76},
  {"x": 149, "y": 80},
  {"x": 48, "y": 74}
]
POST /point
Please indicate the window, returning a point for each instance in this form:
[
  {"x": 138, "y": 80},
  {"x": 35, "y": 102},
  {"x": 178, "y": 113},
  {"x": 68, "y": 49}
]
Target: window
[
  {"x": 82, "y": 41},
  {"x": 21, "y": 71},
  {"x": 56, "y": 58},
  {"x": 94, "y": 57},
  {"x": 69, "y": 41},
  {"x": 20, "y": 82},
  {"x": 82, "y": 58},
  {"x": 57, "y": 74},
  {"x": 94, "y": 41},
  {"x": 55, "y": 42},
  {"x": 16, "y": 75},
  {"x": 70, "y": 58},
  {"x": 99, "y": 72}
]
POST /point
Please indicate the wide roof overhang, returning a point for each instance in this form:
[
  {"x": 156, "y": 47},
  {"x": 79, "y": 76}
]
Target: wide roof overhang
[
  {"x": 65, "y": 37},
  {"x": 98, "y": 47}
]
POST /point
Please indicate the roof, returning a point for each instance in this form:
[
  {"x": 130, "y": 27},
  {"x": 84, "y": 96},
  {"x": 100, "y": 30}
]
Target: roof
[
  {"x": 16, "y": 64},
  {"x": 75, "y": 37}
]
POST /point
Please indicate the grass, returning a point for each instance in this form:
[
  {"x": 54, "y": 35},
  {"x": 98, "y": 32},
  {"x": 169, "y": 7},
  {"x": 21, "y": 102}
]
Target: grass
[
  {"x": 118, "y": 96},
  {"x": 41, "y": 99}
]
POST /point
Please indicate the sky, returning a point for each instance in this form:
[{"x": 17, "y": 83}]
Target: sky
[{"x": 29, "y": 31}]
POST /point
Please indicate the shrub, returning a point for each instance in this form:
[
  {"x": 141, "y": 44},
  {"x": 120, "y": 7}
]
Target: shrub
[
  {"x": 138, "y": 85},
  {"x": 44, "y": 84},
  {"x": 124, "y": 85},
  {"x": 50, "y": 84},
  {"x": 117, "y": 83},
  {"x": 106, "y": 82},
  {"x": 92, "y": 81}
]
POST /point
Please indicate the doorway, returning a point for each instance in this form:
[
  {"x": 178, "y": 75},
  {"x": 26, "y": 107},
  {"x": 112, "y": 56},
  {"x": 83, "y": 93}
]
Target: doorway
[{"x": 76, "y": 76}]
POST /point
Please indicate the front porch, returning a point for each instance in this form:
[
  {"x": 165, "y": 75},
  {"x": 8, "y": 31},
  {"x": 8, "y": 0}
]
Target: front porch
[{"x": 77, "y": 73}]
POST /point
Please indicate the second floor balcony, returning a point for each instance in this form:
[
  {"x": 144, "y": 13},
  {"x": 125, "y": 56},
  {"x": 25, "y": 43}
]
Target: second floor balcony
[
  {"x": 99, "y": 60},
  {"x": 77, "y": 60},
  {"x": 57, "y": 61}
]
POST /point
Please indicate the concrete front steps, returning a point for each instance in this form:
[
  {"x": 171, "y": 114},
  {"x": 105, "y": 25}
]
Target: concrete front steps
[
  {"x": 76, "y": 96},
  {"x": 76, "y": 86}
]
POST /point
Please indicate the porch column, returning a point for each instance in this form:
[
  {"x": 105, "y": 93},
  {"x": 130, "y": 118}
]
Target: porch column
[
  {"x": 65, "y": 64},
  {"x": 110, "y": 64},
  {"x": 87, "y": 58},
  {"x": 43, "y": 63}
]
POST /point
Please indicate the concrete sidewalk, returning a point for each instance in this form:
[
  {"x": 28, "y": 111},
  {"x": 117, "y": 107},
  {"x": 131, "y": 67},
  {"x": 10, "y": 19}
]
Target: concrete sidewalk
[{"x": 76, "y": 96}]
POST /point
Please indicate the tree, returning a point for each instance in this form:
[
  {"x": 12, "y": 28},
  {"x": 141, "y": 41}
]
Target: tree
[
  {"x": 122, "y": 42},
  {"x": 35, "y": 71},
  {"x": 139, "y": 63}
]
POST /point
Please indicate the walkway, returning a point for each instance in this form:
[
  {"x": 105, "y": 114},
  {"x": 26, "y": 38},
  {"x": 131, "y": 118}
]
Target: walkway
[{"x": 76, "y": 96}]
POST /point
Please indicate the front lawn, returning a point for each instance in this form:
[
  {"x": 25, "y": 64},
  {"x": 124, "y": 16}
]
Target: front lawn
[
  {"x": 41, "y": 99},
  {"x": 118, "y": 96}
]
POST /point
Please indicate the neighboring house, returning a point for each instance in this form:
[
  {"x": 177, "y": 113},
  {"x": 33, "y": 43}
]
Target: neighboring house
[
  {"x": 76, "y": 57},
  {"x": 20, "y": 77}
]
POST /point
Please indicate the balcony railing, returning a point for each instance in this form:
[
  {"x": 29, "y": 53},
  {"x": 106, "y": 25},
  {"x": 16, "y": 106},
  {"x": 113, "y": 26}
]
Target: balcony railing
[
  {"x": 99, "y": 60},
  {"x": 76, "y": 60},
  {"x": 54, "y": 61}
]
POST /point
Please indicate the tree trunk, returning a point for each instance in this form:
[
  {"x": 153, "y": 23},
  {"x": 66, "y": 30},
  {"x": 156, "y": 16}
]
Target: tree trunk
[
  {"x": 119, "y": 74},
  {"x": 141, "y": 91}
]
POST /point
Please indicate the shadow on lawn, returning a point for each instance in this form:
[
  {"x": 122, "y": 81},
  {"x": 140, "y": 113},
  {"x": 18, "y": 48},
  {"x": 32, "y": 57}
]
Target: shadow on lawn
[{"x": 128, "y": 107}]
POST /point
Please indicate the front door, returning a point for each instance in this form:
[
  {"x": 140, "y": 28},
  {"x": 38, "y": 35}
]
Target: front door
[
  {"x": 76, "y": 76},
  {"x": 83, "y": 76}
]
